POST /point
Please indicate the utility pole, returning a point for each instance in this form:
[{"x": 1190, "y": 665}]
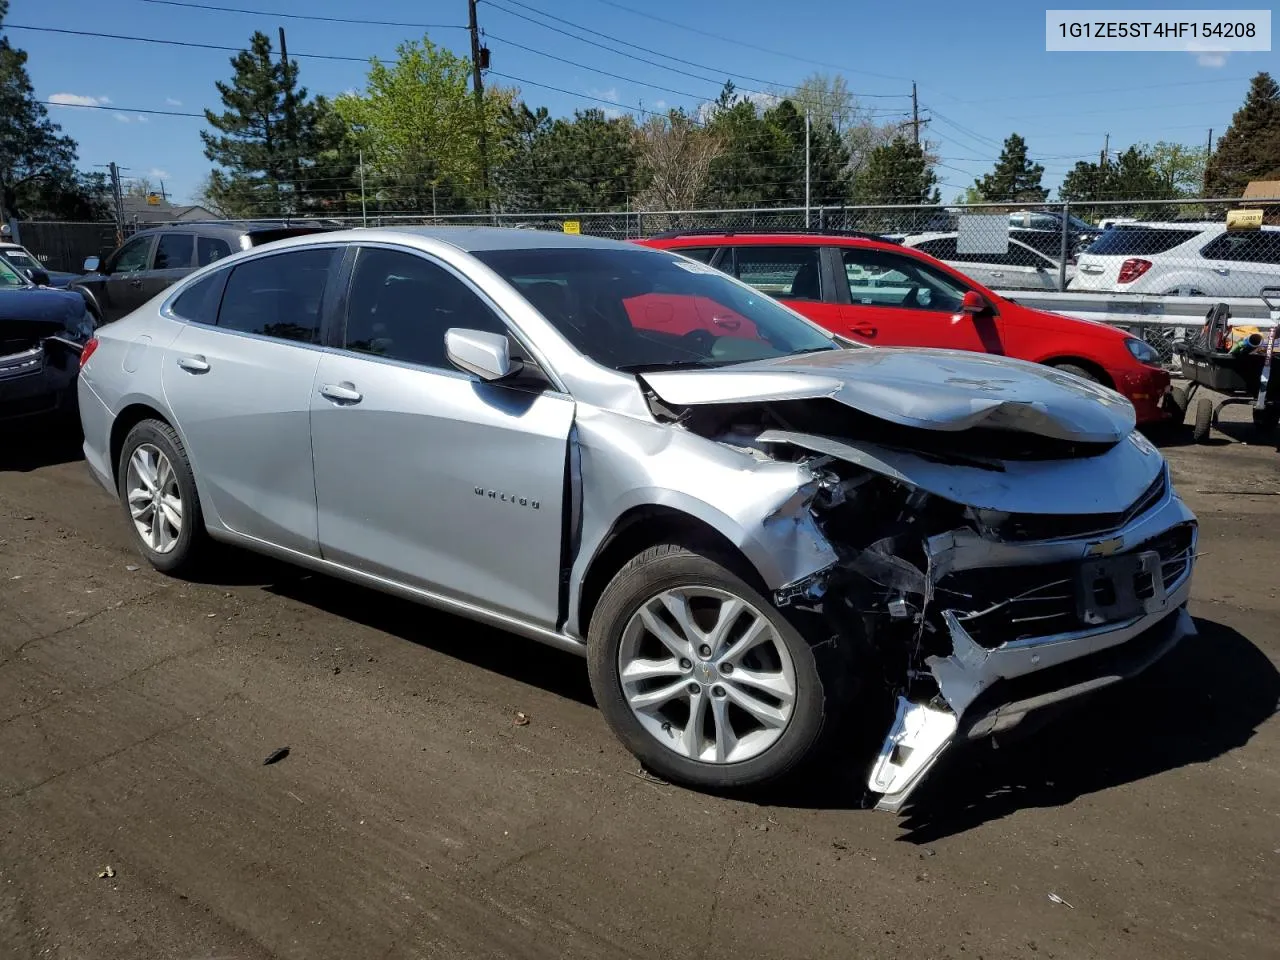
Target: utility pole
[
  {"x": 118, "y": 199},
  {"x": 1106, "y": 150},
  {"x": 364, "y": 213},
  {"x": 477, "y": 82},
  {"x": 291, "y": 124},
  {"x": 1208, "y": 152},
  {"x": 806, "y": 168},
  {"x": 915, "y": 113}
]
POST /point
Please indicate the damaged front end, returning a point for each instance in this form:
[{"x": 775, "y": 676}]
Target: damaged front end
[
  {"x": 39, "y": 361},
  {"x": 986, "y": 573}
]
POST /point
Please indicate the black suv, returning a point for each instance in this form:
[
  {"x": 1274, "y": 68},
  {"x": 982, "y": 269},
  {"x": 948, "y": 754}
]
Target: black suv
[{"x": 151, "y": 260}]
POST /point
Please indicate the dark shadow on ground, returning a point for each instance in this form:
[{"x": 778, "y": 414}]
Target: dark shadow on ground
[
  {"x": 512, "y": 656},
  {"x": 1207, "y": 697},
  {"x": 31, "y": 445}
]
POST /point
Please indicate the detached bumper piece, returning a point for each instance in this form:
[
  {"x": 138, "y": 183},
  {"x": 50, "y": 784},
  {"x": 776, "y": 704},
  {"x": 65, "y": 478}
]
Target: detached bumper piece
[
  {"x": 38, "y": 379},
  {"x": 984, "y": 691}
]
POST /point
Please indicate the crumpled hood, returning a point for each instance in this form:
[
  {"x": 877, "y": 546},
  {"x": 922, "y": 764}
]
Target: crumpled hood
[
  {"x": 39, "y": 311},
  {"x": 947, "y": 390}
]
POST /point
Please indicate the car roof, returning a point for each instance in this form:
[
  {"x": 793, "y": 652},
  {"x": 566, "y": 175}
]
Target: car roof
[
  {"x": 750, "y": 238},
  {"x": 234, "y": 227}
]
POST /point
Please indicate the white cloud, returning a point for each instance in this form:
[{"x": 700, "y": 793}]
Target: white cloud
[
  {"x": 141, "y": 119},
  {"x": 173, "y": 102},
  {"x": 610, "y": 94},
  {"x": 124, "y": 118},
  {"x": 155, "y": 173},
  {"x": 611, "y": 113},
  {"x": 1211, "y": 60},
  {"x": 77, "y": 100},
  {"x": 659, "y": 104}
]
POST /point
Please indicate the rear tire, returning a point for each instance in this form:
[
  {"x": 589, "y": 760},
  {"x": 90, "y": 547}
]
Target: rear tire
[
  {"x": 158, "y": 494},
  {"x": 1204, "y": 420},
  {"x": 702, "y": 704},
  {"x": 1178, "y": 404}
]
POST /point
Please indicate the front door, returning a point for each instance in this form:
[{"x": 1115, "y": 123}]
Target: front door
[
  {"x": 897, "y": 300},
  {"x": 122, "y": 288},
  {"x": 427, "y": 475},
  {"x": 174, "y": 256},
  {"x": 241, "y": 391}
]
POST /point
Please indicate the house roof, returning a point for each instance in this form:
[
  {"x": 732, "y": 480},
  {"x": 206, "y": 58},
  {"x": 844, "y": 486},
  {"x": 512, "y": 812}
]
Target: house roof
[
  {"x": 1262, "y": 190},
  {"x": 158, "y": 210}
]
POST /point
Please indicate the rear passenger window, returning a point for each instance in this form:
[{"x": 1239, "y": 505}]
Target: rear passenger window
[
  {"x": 209, "y": 249},
  {"x": 789, "y": 272},
  {"x": 173, "y": 251},
  {"x": 401, "y": 305},
  {"x": 199, "y": 302},
  {"x": 697, "y": 253},
  {"x": 1260, "y": 247},
  {"x": 278, "y": 296}
]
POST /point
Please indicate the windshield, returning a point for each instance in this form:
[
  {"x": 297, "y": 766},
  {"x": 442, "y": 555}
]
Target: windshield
[
  {"x": 1122, "y": 241},
  {"x": 21, "y": 259},
  {"x": 10, "y": 277},
  {"x": 635, "y": 310}
]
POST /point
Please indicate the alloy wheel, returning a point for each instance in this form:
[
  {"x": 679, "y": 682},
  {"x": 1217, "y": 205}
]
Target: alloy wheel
[{"x": 155, "y": 502}]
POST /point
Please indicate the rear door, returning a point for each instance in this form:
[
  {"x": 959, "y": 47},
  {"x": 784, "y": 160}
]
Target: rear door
[
  {"x": 174, "y": 259},
  {"x": 795, "y": 274},
  {"x": 240, "y": 389},
  {"x": 1243, "y": 263},
  {"x": 897, "y": 300}
]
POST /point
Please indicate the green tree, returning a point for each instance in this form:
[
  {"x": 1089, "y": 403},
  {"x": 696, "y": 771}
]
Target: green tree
[
  {"x": 38, "y": 177},
  {"x": 519, "y": 180},
  {"x": 756, "y": 166},
  {"x": 675, "y": 155},
  {"x": 1015, "y": 177},
  {"x": 1133, "y": 175},
  {"x": 420, "y": 129},
  {"x": 1250, "y": 148},
  {"x": 589, "y": 163},
  {"x": 897, "y": 173},
  {"x": 1179, "y": 167},
  {"x": 829, "y": 178},
  {"x": 269, "y": 140}
]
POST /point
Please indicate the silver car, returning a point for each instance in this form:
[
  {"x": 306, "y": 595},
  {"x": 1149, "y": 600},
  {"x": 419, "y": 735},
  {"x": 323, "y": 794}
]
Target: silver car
[{"x": 742, "y": 523}]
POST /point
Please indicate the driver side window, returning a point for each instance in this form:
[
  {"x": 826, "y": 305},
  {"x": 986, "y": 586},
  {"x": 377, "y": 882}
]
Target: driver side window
[
  {"x": 880, "y": 279},
  {"x": 133, "y": 256}
]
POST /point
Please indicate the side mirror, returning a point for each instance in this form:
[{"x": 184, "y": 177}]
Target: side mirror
[
  {"x": 91, "y": 264},
  {"x": 487, "y": 355},
  {"x": 974, "y": 303},
  {"x": 37, "y": 276}
]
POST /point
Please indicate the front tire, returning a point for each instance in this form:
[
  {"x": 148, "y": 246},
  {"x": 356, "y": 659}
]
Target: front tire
[
  {"x": 1204, "y": 420},
  {"x": 1078, "y": 371},
  {"x": 701, "y": 677},
  {"x": 158, "y": 493}
]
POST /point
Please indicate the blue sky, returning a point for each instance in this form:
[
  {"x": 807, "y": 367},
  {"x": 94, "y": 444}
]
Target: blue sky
[{"x": 981, "y": 69}]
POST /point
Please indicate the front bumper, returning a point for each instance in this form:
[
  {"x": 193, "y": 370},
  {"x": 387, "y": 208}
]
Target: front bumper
[
  {"x": 1145, "y": 388},
  {"x": 983, "y": 690},
  {"x": 38, "y": 381}
]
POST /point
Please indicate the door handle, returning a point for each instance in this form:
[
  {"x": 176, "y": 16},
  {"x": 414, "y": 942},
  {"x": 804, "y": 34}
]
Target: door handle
[
  {"x": 863, "y": 331},
  {"x": 344, "y": 392},
  {"x": 193, "y": 364},
  {"x": 997, "y": 273},
  {"x": 1221, "y": 271},
  {"x": 135, "y": 282}
]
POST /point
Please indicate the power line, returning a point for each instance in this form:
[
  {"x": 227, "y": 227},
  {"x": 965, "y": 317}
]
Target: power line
[
  {"x": 307, "y": 16},
  {"x": 649, "y": 50},
  {"x": 100, "y": 106},
  {"x": 173, "y": 43},
  {"x": 743, "y": 43}
]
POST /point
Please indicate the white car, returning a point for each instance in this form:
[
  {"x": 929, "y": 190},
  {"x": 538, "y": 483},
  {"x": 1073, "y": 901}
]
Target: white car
[
  {"x": 1181, "y": 259},
  {"x": 1021, "y": 267}
]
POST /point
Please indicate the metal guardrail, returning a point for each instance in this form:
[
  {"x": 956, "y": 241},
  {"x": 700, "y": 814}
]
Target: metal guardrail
[{"x": 1140, "y": 309}]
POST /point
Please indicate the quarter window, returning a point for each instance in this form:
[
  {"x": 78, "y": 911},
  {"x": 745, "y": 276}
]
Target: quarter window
[
  {"x": 401, "y": 305},
  {"x": 278, "y": 296},
  {"x": 698, "y": 253},
  {"x": 209, "y": 249},
  {"x": 1260, "y": 247},
  {"x": 173, "y": 251},
  {"x": 199, "y": 302},
  {"x": 789, "y": 272}
]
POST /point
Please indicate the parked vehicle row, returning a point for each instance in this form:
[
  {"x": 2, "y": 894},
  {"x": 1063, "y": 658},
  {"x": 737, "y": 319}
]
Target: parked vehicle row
[
  {"x": 877, "y": 292},
  {"x": 746, "y": 524}
]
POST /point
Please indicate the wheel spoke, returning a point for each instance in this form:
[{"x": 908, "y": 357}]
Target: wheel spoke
[
  {"x": 638, "y": 670},
  {"x": 756, "y": 634},
  {"x": 678, "y": 646},
  {"x": 726, "y": 739},
  {"x": 172, "y": 515},
  {"x": 730, "y": 611},
  {"x": 677, "y": 605},
  {"x": 650, "y": 699},
  {"x": 691, "y": 738},
  {"x": 766, "y": 714},
  {"x": 142, "y": 466},
  {"x": 776, "y": 684},
  {"x": 164, "y": 473},
  {"x": 157, "y": 534}
]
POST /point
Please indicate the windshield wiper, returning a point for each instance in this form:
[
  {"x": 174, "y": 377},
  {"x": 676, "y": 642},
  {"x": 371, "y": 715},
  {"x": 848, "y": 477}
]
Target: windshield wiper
[{"x": 671, "y": 365}]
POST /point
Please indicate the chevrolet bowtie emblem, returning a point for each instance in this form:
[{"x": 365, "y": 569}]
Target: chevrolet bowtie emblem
[{"x": 1104, "y": 548}]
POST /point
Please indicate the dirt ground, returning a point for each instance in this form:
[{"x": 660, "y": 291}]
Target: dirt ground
[{"x": 413, "y": 817}]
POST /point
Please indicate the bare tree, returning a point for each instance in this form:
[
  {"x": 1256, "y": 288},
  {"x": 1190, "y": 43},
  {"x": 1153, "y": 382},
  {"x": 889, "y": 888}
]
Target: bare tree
[{"x": 675, "y": 156}]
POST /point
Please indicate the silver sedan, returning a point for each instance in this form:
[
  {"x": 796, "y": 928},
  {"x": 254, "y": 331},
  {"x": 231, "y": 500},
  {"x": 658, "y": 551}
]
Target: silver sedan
[{"x": 744, "y": 524}]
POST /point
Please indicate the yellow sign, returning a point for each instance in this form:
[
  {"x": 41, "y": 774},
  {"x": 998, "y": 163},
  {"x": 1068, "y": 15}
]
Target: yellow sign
[
  {"x": 153, "y": 199},
  {"x": 1244, "y": 219},
  {"x": 575, "y": 226}
]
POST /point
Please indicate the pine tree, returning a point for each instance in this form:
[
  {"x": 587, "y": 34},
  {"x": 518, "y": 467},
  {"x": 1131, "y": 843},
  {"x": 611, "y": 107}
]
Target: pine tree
[
  {"x": 37, "y": 163},
  {"x": 1015, "y": 177},
  {"x": 1250, "y": 149},
  {"x": 273, "y": 143},
  {"x": 897, "y": 172}
]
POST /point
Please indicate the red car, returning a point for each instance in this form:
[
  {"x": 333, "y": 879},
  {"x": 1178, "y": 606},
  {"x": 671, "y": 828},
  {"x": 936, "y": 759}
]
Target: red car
[{"x": 875, "y": 291}]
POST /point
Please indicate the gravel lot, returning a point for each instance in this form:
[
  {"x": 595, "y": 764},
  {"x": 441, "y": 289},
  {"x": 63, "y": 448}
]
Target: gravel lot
[{"x": 414, "y": 817}]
